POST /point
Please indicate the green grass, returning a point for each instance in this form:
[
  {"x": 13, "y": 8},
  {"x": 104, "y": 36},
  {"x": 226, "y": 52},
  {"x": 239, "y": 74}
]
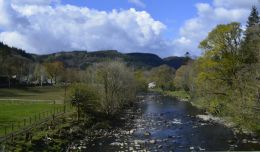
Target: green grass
[
  {"x": 35, "y": 93},
  {"x": 17, "y": 105},
  {"x": 181, "y": 95},
  {"x": 15, "y": 113}
]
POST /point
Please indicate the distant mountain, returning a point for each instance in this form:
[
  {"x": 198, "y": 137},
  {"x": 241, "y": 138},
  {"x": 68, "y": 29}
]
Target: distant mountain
[{"x": 82, "y": 59}]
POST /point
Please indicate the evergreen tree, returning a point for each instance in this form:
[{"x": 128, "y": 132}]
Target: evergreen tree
[
  {"x": 253, "y": 19},
  {"x": 249, "y": 49}
]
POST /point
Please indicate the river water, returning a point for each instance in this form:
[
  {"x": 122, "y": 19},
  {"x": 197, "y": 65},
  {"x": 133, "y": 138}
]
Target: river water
[{"x": 162, "y": 123}]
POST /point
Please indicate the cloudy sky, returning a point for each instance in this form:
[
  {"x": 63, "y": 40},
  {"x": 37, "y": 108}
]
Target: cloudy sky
[{"x": 163, "y": 27}]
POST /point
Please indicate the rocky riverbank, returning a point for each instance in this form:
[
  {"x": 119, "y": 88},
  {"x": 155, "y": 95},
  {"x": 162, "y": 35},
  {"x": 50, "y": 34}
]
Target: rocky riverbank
[{"x": 160, "y": 123}]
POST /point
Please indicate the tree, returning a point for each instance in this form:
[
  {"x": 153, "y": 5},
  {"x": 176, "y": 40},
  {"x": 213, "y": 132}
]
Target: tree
[
  {"x": 250, "y": 46},
  {"x": 253, "y": 19},
  {"x": 116, "y": 85},
  {"x": 84, "y": 97},
  {"x": 218, "y": 68},
  {"x": 183, "y": 77},
  {"x": 222, "y": 47},
  {"x": 141, "y": 80},
  {"x": 163, "y": 76},
  {"x": 54, "y": 69},
  {"x": 11, "y": 69},
  {"x": 4, "y": 55},
  {"x": 39, "y": 73}
]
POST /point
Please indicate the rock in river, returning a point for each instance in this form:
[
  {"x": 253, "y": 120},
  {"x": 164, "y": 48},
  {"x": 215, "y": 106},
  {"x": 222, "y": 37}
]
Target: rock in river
[{"x": 147, "y": 133}]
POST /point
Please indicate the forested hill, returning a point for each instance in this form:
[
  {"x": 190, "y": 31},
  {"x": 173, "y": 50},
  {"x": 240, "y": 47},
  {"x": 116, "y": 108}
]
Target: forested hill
[
  {"x": 14, "y": 52},
  {"x": 82, "y": 59},
  {"x": 138, "y": 60}
]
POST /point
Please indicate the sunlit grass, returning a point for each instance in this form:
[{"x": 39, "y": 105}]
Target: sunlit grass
[
  {"x": 36, "y": 93},
  {"x": 22, "y": 106}
]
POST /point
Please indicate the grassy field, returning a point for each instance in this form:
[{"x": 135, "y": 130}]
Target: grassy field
[
  {"x": 19, "y": 105},
  {"x": 36, "y": 93}
]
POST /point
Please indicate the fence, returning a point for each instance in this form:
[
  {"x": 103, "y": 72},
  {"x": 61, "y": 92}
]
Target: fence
[{"x": 11, "y": 129}]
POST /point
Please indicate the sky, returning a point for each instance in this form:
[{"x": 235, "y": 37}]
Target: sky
[{"x": 162, "y": 27}]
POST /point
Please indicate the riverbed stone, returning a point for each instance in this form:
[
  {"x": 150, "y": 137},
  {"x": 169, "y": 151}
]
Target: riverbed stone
[
  {"x": 152, "y": 141},
  {"x": 160, "y": 146},
  {"x": 132, "y": 131},
  {"x": 131, "y": 148},
  {"x": 147, "y": 133}
]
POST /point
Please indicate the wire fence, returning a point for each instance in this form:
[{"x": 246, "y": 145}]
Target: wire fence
[{"x": 13, "y": 128}]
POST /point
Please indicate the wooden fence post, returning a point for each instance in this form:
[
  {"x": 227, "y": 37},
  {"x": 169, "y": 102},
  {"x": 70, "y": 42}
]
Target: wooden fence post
[
  {"x": 12, "y": 138},
  {"x": 5, "y": 130},
  {"x": 24, "y": 122}
]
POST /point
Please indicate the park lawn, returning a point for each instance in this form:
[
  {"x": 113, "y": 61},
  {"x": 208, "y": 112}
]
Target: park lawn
[{"x": 33, "y": 93}]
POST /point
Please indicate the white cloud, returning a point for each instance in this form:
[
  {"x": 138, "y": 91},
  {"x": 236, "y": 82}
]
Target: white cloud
[
  {"x": 235, "y": 3},
  {"x": 137, "y": 3},
  {"x": 47, "y": 29},
  {"x": 208, "y": 16},
  {"x": 34, "y": 2}
]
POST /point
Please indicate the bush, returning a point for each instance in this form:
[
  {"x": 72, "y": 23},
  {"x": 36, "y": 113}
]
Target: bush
[{"x": 84, "y": 97}]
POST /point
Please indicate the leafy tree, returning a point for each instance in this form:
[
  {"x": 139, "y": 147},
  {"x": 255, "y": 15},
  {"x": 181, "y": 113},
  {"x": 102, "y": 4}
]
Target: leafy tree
[
  {"x": 183, "y": 78},
  {"x": 163, "y": 76},
  {"x": 54, "y": 69},
  {"x": 141, "y": 80},
  {"x": 39, "y": 73},
  {"x": 222, "y": 48},
  {"x": 4, "y": 55},
  {"x": 84, "y": 97},
  {"x": 218, "y": 68},
  {"x": 117, "y": 84}
]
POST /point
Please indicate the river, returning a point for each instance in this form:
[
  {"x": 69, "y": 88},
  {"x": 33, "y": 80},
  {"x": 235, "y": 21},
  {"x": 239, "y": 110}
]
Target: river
[{"x": 162, "y": 123}]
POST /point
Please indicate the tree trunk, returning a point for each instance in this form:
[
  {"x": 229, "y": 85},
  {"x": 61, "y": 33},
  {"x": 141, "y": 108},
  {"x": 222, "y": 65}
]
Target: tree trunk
[
  {"x": 55, "y": 79},
  {"x": 9, "y": 82},
  {"x": 41, "y": 78},
  {"x": 78, "y": 112}
]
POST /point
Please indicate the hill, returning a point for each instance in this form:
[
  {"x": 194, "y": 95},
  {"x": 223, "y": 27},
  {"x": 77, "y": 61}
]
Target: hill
[
  {"x": 14, "y": 52},
  {"x": 175, "y": 62},
  {"x": 82, "y": 59}
]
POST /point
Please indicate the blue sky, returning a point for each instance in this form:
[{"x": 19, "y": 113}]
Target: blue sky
[{"x": 162, "y": 27}]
